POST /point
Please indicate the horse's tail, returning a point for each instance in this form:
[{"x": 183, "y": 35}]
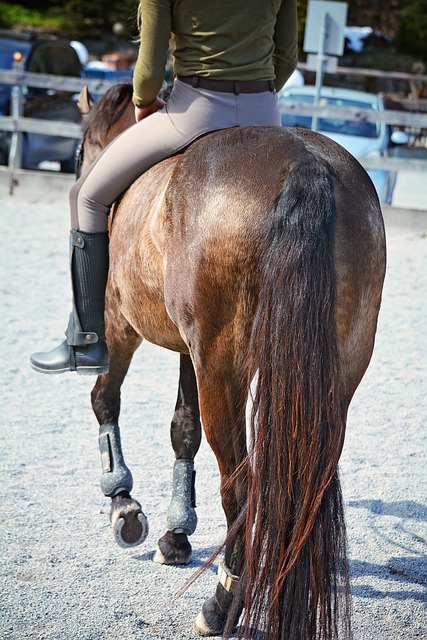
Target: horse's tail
[{"x": 297, "y": 583}]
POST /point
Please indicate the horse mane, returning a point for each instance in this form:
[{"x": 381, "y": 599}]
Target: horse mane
[{"x": 106, "y": 113}]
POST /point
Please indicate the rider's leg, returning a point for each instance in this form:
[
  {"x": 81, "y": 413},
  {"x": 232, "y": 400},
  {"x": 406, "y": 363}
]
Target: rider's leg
[{"x": 84, "y": 350}]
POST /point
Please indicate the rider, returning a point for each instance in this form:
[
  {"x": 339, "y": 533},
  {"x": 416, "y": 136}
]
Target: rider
[{"x": 230, "y": 59}]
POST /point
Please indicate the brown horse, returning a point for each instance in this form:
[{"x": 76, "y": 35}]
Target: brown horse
[{"x": 258, "y": 255}]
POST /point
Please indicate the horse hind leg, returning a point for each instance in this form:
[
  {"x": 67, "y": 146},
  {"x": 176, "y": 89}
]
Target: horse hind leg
[
  {"x": 174, "y": 547},
  {"x": 129, "y": 524},
  {"x": 223, "y": 399}
]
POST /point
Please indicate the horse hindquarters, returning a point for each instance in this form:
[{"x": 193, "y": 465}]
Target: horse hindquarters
[{"x": 295, "y": 535}]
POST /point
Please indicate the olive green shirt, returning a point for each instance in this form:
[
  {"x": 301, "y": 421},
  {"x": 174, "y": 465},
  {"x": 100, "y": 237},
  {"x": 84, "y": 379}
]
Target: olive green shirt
[{"x": 222, "y": 39}]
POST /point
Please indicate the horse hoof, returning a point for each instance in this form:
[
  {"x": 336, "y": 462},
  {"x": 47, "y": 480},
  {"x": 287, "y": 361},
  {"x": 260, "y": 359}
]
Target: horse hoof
[
  {"x": 161, "y": 559},
  {"x": 130, "y": 534},
  {"x": 129, "y": 523},
  {"x": 173, "y": 548},
  {"x": 200, "y": 626}
]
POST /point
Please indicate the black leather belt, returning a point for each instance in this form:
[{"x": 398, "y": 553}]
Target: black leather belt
[{"x": 229, "y": 86}]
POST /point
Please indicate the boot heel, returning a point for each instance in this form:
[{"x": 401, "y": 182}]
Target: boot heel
[
  {"x": 92, "y": 371},
  {"x": 92, "y": 360}
]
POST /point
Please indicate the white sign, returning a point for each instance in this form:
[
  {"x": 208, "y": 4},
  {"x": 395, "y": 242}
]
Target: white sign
[{"x": 334, "y": 16}]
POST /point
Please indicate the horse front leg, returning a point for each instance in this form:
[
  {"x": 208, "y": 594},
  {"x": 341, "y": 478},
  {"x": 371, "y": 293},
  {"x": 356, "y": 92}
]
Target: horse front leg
[
  {"x": 174, "y": 547},
  {"x": 129, "y": 524}
]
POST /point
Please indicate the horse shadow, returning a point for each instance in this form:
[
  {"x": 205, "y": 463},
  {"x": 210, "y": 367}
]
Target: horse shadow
[
  {"x": 199, "y": 557},
  {"x": 401, "y": 509},
  {"x": 409, "y": 569}
]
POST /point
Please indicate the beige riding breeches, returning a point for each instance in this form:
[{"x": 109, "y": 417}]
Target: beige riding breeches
[{"x": 189, "y": 113}]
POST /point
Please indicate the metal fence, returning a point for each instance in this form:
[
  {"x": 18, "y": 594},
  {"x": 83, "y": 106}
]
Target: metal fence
[{"x": 17, "y": 124}]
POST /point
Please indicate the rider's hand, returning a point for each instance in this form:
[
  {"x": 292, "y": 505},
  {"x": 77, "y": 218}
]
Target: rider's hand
[{"x": 143, "y": 112}]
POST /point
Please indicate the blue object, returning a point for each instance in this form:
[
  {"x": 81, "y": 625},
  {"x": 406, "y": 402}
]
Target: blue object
[{"x": 362, "y": 139}]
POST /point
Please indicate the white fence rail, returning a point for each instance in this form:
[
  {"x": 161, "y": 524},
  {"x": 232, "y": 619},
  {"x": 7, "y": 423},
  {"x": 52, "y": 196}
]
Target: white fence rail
[{"x": 17, "y": 124}]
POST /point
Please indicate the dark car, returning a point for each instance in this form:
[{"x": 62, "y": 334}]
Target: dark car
[{"x": 48, "y": 55}]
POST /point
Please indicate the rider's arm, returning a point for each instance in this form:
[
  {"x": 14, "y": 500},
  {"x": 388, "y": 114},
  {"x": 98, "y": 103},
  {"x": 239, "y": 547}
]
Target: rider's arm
[
  {"x": 285, "y": 56},
  {"x": 155, "y": 32}
]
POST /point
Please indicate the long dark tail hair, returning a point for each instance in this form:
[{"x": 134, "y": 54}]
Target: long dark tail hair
[{"x": 297, "y": 585}]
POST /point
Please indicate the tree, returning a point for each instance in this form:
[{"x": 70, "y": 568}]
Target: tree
[
  {"x": 96, "y": 18},
  {"x": 78, "y": 19},
  {"x": 411, "y": 36}
]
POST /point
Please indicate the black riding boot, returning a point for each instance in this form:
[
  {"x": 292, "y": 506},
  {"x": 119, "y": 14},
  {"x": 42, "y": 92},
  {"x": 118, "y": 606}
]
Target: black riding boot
[{"x": 84, "y": 350}]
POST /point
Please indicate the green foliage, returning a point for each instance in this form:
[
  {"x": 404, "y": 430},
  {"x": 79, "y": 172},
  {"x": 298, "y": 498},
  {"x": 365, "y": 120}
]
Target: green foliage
[
  {"x": 18, "y": 16},
  {"x": 411, "y": 36},
  {"x": 78, "y": 19},
  {"x": 84, "y": 19},
  {"x": 94, "y": 19}
]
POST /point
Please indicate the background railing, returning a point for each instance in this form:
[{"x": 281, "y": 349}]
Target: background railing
[{"x": 17, "y": 124}]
